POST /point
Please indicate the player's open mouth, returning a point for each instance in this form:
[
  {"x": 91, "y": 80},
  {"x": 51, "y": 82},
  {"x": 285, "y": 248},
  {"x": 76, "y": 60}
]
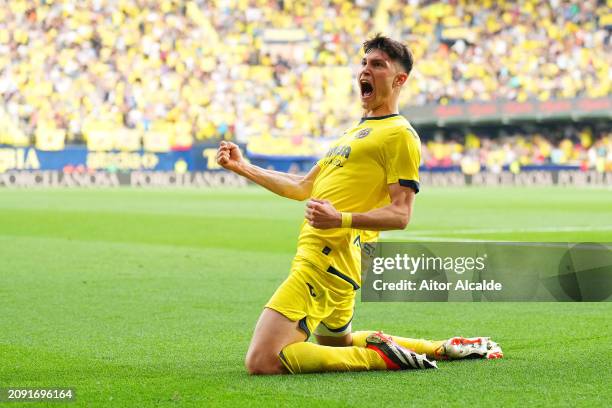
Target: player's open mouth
[{"x": 366, "y": 88}]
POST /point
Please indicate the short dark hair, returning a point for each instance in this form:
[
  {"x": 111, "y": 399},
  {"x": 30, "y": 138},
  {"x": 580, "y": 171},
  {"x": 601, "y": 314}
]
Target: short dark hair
[{"x": 397, "y": 51}]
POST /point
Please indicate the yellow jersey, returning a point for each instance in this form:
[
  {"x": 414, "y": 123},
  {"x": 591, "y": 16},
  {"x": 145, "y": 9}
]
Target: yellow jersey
[{"x": 354, "y": 177}]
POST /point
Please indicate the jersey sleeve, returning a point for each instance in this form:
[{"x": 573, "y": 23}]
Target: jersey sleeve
[{"x": 402, "y": 154}]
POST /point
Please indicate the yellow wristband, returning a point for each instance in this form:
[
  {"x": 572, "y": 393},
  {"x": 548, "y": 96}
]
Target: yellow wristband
[{"x": 347, "y": 220}]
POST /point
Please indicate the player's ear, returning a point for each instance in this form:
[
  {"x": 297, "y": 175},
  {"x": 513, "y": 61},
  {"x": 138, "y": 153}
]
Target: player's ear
[{"x": 400, "y": 79}]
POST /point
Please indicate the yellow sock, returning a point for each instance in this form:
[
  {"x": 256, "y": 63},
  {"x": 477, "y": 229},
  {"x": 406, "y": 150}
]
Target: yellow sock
[
  {"x": 301, "y": 358},
  {"x": 420, "y": 346}
]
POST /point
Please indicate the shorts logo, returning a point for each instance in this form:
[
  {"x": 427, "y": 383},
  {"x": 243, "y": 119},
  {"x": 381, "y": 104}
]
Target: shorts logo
[
  {"x": 311, "y": 290},
  {"x": 363, "y": 133}
]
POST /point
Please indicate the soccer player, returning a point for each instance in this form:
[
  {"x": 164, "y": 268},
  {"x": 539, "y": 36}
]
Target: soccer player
[{"x": 366, "y": 183}]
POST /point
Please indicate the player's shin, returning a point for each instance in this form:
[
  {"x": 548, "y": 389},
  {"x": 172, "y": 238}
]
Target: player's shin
[
  {"x": 430, "y": 348},
  {"x": 301, "y": 358}
]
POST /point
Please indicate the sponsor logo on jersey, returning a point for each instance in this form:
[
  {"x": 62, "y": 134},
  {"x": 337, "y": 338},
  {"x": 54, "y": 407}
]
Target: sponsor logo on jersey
[{"x": 337, "y": 155}]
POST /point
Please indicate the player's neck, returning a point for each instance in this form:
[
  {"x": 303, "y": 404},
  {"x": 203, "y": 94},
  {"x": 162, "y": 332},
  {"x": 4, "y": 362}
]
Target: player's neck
[{"x": 381, "y": 110}]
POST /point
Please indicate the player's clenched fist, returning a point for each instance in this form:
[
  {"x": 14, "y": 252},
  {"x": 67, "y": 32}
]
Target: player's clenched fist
[
  {"x": 322, "y": 214},
  {"x": 229, "y": 156}
]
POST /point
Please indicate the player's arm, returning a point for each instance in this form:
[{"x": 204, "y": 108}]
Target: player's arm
[
  {"x": 390, "y": 217},
  {"x": 322, "y": 214},
  {"x": 287, "y": 185}
]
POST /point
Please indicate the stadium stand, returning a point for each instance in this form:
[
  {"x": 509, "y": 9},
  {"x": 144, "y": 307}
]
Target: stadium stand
[
  {"x": 585, "y": 148},
  {"x": 515, "y": 50},
  {"x": 127, "y": 73}
]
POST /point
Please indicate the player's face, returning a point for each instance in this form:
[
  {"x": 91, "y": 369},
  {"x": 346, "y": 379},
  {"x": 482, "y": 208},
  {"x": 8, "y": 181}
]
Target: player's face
[{"x": 376, "y": 79}]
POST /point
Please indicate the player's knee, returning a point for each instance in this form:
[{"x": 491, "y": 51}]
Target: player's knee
[{"x": 263, "y": 363}]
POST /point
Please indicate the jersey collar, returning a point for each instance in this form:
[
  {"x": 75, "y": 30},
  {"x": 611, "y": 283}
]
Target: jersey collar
[{"x": 377, "y": 117}]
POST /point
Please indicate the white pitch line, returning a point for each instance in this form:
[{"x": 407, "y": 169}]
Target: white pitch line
[
  {"x": 510, "y": 230},
  {"x": 422, "y": 238}
]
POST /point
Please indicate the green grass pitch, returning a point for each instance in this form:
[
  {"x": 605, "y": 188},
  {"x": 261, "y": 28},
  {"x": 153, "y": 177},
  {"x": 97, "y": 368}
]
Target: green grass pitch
[{"x": 149, "y": 297}]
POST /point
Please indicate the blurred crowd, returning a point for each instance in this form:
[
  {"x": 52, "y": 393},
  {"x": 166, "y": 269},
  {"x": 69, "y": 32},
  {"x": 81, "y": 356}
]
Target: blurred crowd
[
  {"x": 587, "y": 148},
  {"x": 515, "y": 50},
  {"x": 200, "y": 67},
  {"x": 260, "y": 70}
]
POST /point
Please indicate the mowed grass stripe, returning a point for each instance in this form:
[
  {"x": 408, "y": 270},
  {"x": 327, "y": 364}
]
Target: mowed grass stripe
[
  {"x": 95, "y": 275},
  {"x": 177, "y": 230},
  {"x": 435, "y": 208},
  {"x": 253, "y": 203}
]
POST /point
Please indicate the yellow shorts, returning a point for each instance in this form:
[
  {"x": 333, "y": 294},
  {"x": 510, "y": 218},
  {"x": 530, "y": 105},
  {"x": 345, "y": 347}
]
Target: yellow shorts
[{"x": 322, "y": 302}]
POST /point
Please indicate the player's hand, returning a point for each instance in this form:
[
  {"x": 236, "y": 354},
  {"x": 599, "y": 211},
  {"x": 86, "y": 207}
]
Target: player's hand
[
  {"x": 229, "y": 156},
  {"x": 321, "y": 214}
]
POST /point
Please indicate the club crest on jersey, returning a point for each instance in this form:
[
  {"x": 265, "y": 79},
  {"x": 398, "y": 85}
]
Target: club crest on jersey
[{"x": 363, "y": 133}]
